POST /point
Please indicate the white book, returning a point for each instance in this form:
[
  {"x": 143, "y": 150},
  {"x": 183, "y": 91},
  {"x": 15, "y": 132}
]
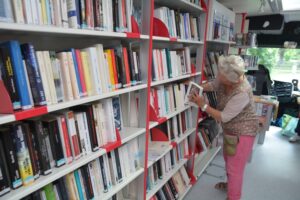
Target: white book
[
  {"x": 134, "y": 113},
  {"x": 43, "y": 195},
  {"x": 39, "y": 11},
  {"x": 28, "y": 11},
  {"x": 92, "y": 166},
  {"x": 187, "y": 53},
  {"x": 57, "y": 13},
  {"x": 97, "y": 119},
  {"x": 184, "y": 176},
  {"x": 74, "y": 83},
  {"x": 107, "y": 170},
  {"x": 129, "y": 7},
  {"x": 103, "y": 74},
  {"x": 64, "y": 13},
  {"x": 34, "y": 11},
  {"x": 72, "y": 14},
  {"x": 17, "y": 6},
  {"x": 175, "y": 127},
  {"x": 110, "y": 125},
  {"x": 126, "y": 161},
  {"x": 51, "y": 6},
  {"x": 163, "y": 166},
  {"x": 155, "y": 64},
  {"x": 96, "y": 173},
  {"x": 110, "y": 16},
  {"x": 44, "y": 75},
  {"x": 114, "y": 167},
  {"x": 95, "y": 69},
  {"x": 66, "y": 76},
  {"x": 180, "y": 125},
  {"x": 50, "y": 78},
  {"x": 164, "y": 64},
  {"x": 173, "y": 23},
  {"x": 57, "y": 75},
  {"x": 102, "y": 125},
  {"x": 72, "y": 132}
]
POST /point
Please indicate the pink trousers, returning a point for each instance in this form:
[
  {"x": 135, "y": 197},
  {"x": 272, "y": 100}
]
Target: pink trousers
[{"x": 235, "y": 166}]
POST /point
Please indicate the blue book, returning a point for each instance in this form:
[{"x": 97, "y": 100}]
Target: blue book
[
  {"x": 34, "y": 75},
  {"x": 78, "y": 184},
  {"x": 77, "y": 73},
  {"x": 14, "y": 50}
]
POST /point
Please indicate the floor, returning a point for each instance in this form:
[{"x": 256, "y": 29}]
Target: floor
[{"x": 273, "y": 173}]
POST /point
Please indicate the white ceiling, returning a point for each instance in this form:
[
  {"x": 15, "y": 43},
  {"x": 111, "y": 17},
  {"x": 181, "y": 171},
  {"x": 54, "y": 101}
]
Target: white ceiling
[{"x": 251, "y": 7}]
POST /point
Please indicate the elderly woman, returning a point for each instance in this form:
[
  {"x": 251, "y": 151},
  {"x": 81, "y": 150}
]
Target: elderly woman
[{"x": 235, "y": 111}]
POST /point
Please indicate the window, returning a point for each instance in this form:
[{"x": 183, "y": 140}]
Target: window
[{"x": 284, "y": 64}]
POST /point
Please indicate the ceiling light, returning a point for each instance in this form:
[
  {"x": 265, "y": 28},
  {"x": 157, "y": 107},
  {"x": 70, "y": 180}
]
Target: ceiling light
[{"x": 291, "y": 5}]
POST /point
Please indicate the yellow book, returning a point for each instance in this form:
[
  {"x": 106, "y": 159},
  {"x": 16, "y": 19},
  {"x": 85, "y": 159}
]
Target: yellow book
[
  {"x": 110, "y": 68},
  {"x": 71, "y": 187},
  {"x": 86, "y": 72},
  {"x": 44, "y": 12}
]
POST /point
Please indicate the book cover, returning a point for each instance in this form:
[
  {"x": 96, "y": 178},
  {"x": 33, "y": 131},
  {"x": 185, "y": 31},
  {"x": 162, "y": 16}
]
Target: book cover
[
  {"x": 8, "y": 77},
  {"x": 73, "y": 136},
  {"x": 72, "y": 14},
  {"x": 15, "y": 57},
  {"x": 126, "y": 65},
  {"x": 41, "y": 136},
  {"x": 57, "y": 77},
  {"x": 74, "y": 82},
  {"x": 104, "y": 174},
  {"x": 87, "y": 182},
  {"x": 81, "y": 72},
  {"x": 11, "y": 158},
  {"x": 4, "y": 179},
  {"x": 71, "y": 186},
  {"x": 18, "y": 11},
  {"x": 33, "y": 150},
  {"x": 34, "y": 76},
  {"x": 117, "y": 113},
  {"x": 77, "y": 73},
  {"x": 56, "y": 144},
  {"x": 24, "y": 162},
  {"x": 79, "y": 185}
]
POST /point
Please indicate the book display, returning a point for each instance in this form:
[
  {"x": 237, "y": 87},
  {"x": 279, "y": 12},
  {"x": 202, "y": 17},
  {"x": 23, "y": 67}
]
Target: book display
[{"x": 93, "y": 98}]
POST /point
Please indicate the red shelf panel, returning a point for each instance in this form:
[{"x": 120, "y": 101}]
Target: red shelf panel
[{"x": 34, "y": 112}]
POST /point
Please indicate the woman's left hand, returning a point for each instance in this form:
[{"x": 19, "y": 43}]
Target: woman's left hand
[{"x": 199, "y": 100}]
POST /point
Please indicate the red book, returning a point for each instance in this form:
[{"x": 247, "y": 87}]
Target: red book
[
  {"x": 155, "y": 101},
  {"x": 88, "y": 13},
  {"x": 65, "y": 140},
  {"x": 81, "y": 73},
  {"x": 126, "y": 64},
  {"x": 124, "y": 14},
  {"x": 113, "y": 58},
  {"x": 73, "y": 135}
]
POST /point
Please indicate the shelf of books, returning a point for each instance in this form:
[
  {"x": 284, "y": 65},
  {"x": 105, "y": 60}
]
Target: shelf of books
[
  {"x": 84, "y": 85},
  {"x": 181, "y": 197}
]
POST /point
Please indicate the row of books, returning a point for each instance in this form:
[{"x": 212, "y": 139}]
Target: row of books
[
  {"x": 166, "y": 99},
  {"x": 223, "y": 28},
  {"x": 169, "y": 64},
  {"x": 208, "y": 130},
  {"x": 34, "y": 147},
  {"x": 246, "y": 39},
  {"x": 101, "y": 15},
  {"x": 211, "y": 64},
  {"x": 251, "y": 62},
  {"x": 179, "y": 24},
  {"x": 176, "y": 127},
  {"x": 175, "y": 187},
  {"x": 47, "y": 77},
  {"x": 93, "y": 180}
]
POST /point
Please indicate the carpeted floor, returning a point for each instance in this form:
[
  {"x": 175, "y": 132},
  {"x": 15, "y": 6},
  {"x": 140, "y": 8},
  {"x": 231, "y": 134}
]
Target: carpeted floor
[{"x": 273, "y": 173}]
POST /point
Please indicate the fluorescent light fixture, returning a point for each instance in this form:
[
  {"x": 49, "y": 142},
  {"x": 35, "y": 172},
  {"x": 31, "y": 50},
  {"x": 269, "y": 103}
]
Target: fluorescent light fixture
[{"x": 290, "y": 5}]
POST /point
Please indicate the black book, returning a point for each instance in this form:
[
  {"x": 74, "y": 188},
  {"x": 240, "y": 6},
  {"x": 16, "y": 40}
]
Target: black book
[
  {"x": 81, "y": 145},
  {"x": 177, "y": 23},
  {"x": 172, "y": 157},
  {"x": 36, "y": 195},
  {"x": 131, "y": 66},
  {"x": 33, "y": 150},
  {"x": 173, "y": 188},
  {"x": 118, "y": 70},
  {"x": 11, "y": 158},
  {"x": 116, "y": 23},
  {"x": 159, "y": 170},
  {"x": 7, "y": 75},
  {"x": 166, "y": 193},
  {"x": 61, "y": 183},
  {"x": 34, "y": 75},
  {"x": 96, "y": 5},
  {"x": 121, "y": 65},
  {"x": 118, "y": 164},
  {"x": 87, "y": 182},
  {"x": 4, "y": 180},
  {"x": 155, "y": 173},
  {"x": 41, "y": 136},
  {"x": 103, "y": 172},
  {"x": 88, "y": 109},
  {"x": 51, "y": 124}
]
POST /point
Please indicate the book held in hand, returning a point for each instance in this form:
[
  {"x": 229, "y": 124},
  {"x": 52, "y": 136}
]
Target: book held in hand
[{"x": 193, "y": 89}]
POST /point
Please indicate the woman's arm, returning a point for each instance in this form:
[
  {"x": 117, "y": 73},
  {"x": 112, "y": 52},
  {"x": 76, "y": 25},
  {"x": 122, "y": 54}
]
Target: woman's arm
[{"x": 210, "y": 86}]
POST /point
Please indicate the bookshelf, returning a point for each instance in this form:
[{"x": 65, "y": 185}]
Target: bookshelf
[{"x": 54, "y": 38}]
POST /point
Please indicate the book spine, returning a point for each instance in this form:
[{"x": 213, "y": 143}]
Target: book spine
[
  {"x": 78, "y": 78},
  {"x": 15, "y": 57},
  {"x": 73, "y": 135},
  {"x": 78, "y": 184},
  {"x": 72, "y": 14},
  {"x": 87, "y": 182},
  {"x": 22, "y": 153},
  {"x": 4, "y": 179},
  {"x": 96, "y": 5},
  {"x": 8, "y": 77},
  {"x": 115, "y": 71},
  {"x": 104, "y": 174},
  {"x": 34, "y": 74},
  {"x": 64, "y": 137},
  {"x": 18, "y": 11},
  {"x": 81, "y": 72},
  {"x": 126, "y": 65},
  {"x": 32, "y": 147}
]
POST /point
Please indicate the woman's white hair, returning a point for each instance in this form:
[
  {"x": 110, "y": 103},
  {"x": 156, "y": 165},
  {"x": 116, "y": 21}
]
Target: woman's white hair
[{"x": 232, "y": 67}]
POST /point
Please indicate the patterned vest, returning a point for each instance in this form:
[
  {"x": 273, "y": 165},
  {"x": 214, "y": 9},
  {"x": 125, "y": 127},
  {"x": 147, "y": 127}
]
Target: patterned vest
[{"x": 246, "y": 122}]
